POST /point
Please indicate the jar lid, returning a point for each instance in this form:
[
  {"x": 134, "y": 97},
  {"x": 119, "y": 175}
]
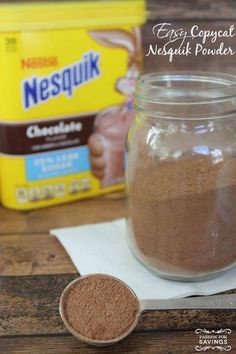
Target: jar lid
[{"x": 68, "y": 14}]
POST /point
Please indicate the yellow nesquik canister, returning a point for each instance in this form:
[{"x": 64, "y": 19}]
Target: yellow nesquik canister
[{"x": 67, "y": 73}]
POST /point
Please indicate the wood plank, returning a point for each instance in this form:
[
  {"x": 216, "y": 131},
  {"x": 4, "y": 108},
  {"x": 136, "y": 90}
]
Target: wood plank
[
  {"x": 29, "y": 305},
  {"x": 83, "y": 212},
  {"x": 192, "y": 9},
  {"x": 225, "y": 64},
  {"x": 33, "y": 254},
  {"x": 137, "y": 343}
]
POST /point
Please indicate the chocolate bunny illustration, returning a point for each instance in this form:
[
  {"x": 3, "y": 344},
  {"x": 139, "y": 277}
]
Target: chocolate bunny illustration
[{"x": 111, "y": 125}]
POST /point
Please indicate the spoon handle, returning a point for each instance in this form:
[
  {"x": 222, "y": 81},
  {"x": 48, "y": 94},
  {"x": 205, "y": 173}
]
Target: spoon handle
[{"x": 201, "y": 302}]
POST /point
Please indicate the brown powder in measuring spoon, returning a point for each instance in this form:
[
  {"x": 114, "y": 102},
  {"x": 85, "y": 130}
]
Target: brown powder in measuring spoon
[{"x": 100, "y": 307}]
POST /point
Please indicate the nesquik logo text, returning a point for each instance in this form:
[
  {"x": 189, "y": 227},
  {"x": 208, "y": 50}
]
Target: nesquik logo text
[
  {"x": 195, "y": 41},
  {"x": 40, "y": 89}
]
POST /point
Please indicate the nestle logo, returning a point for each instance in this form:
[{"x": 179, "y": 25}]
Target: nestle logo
[{"x": 39, "y": 62}]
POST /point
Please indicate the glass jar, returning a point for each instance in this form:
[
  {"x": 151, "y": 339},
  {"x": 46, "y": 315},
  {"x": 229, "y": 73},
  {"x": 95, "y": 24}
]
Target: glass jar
[{"x": 181, "y": 174}]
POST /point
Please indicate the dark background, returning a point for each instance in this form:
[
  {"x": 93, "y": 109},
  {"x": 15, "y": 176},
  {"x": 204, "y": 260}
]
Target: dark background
[{"x": 207, "y": 14}]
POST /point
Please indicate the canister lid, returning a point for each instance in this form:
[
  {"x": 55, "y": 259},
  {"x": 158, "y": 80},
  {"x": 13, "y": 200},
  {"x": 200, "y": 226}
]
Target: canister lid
[{"x": 19, "y": 16}]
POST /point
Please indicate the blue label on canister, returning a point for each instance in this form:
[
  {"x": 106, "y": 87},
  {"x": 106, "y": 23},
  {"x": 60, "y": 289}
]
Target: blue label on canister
[{"x": 57, "y": 163}]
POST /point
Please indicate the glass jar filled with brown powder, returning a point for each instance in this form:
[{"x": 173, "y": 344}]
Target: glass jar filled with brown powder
[{"x": 181, "y": 175}]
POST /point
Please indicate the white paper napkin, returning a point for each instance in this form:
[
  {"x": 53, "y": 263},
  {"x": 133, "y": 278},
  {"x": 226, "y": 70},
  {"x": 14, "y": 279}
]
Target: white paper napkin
[{"x": 103, "y": 248}]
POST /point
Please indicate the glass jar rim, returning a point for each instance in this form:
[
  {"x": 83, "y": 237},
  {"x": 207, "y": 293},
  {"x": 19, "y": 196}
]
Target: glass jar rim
[
  {"x": 228, "y": 81},
  {"x": 184, "y": 88}
]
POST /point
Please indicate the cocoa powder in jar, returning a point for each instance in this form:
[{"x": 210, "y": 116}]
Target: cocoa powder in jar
[{"x": 182, "y": 215}]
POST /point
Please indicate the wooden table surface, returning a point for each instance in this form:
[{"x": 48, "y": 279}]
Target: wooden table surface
[{"x": 35, "y": 268}]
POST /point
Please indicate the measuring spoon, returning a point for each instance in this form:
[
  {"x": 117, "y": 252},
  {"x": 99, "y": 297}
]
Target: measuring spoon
[{"x": 201, "y": 302}]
